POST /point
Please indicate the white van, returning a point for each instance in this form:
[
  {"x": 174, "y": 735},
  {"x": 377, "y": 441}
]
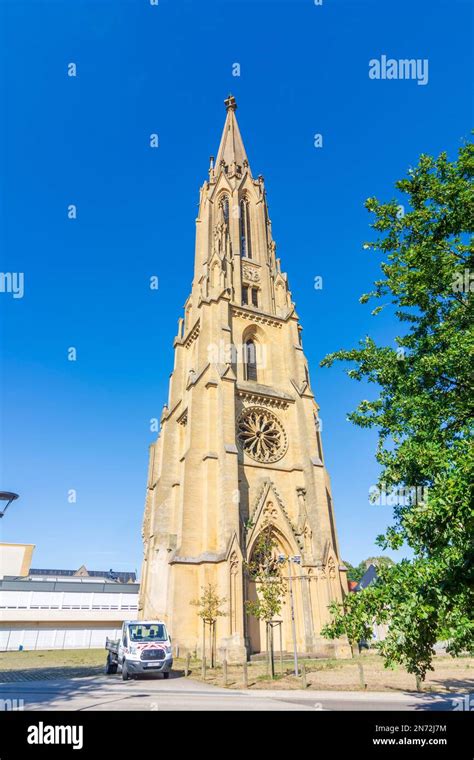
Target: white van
[{"x": 143, "y": 647}]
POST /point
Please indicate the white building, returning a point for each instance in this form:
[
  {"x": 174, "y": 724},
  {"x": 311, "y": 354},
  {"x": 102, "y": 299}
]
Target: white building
[{"x": 60, "y": 609}]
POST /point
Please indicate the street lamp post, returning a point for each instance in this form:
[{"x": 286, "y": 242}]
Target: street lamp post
[{"x": 6, "y": 498}]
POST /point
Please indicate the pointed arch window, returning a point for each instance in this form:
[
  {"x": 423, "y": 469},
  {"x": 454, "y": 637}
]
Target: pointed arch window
[
  {"x": 224, "y": 204},
  {"x": 250, "y": 360},
  {"x": 245, "y": 236}
]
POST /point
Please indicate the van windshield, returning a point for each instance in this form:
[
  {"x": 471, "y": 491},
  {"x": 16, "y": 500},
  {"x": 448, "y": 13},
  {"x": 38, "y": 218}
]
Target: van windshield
[{"x": 147, "y": 632}]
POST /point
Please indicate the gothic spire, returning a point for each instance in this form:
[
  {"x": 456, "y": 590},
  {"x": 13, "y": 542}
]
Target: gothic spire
[{"x": 231, "y": 149}]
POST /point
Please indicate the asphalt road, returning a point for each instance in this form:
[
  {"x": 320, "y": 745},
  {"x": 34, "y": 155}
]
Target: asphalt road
[{"x": 179, "y": 693}]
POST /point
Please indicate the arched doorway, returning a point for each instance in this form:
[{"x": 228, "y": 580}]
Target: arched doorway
[{"x": 256, "y": 629}]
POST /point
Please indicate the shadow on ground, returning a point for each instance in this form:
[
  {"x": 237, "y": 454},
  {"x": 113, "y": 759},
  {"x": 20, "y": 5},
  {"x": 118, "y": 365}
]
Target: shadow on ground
[
  {"x": 60, "y": 686},
  {"x": 50, "y": 674},
  {"x": 58, "y": 674}
]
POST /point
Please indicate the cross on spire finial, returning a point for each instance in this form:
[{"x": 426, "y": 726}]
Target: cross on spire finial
[
  {"x": 230, "y": 103},
  {"x": 231, "y": 156}
]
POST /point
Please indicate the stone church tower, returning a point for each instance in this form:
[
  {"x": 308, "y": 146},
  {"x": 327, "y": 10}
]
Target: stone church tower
[{"x": 239, "y": 446}]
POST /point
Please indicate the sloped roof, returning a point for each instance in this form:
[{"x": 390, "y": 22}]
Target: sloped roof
[{"x": 369, "y": 577}]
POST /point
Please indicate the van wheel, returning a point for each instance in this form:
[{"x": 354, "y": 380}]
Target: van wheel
[
  {"x": 125, "y": 675},
  {"x": 110, "y": 666},
  {"x": 166, "y": 675}
]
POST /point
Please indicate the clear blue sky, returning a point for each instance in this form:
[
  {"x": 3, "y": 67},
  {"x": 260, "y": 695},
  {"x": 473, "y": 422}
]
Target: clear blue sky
[{"x": 84, "y": 140}]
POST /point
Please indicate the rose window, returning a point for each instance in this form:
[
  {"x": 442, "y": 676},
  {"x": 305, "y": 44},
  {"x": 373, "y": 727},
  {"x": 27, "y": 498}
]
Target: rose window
[{"x": 261, "y": 435}]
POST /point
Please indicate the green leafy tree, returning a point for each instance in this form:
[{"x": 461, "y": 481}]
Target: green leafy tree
[
  {"x": 378, "y": 562},
  {"x": 209, "y": 604},
  {"x": 355, "y": 573},
  {"x": 424, "y": 415},
  {"x": 265, "y": 570}
]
